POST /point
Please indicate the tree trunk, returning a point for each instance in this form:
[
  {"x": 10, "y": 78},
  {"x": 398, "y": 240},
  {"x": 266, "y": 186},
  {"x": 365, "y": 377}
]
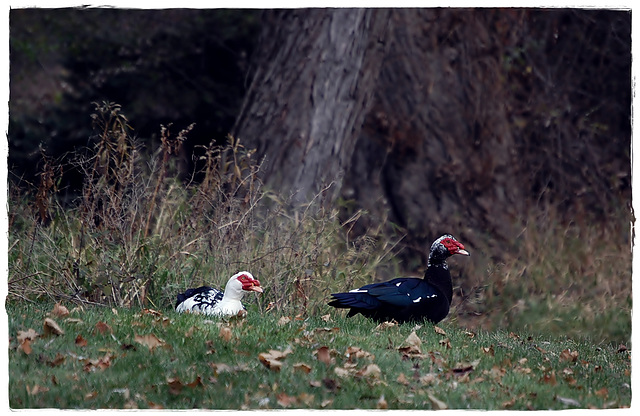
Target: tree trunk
[{"x": 314, "y": 78}]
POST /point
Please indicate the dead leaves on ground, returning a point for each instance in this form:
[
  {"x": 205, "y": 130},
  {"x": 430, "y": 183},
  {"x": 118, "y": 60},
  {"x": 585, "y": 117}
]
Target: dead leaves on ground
[
  {"x": 427, "y": 354},
  {"x": 150, "y": 341},
  {"x": 272, "y": 359}
]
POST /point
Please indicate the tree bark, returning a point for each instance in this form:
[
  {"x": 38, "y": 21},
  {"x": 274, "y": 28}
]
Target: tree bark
[
  {"x": 443, "y": 149},
  {"x": 311, "y": 89}
]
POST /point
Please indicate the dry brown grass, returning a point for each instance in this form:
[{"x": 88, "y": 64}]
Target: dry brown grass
[
  {"x": 561, "y": 277},
  {"x": 137, "y": 235}
]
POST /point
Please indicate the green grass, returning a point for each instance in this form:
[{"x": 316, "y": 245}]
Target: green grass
[
  {"x": 137, "y": 235},
  {"x": 198, "y": 366}
]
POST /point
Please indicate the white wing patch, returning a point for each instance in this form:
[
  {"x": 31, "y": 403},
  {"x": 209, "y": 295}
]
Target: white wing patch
[
  {"x": 359, "y": 291},
  {"x": 203, "y": 302}
]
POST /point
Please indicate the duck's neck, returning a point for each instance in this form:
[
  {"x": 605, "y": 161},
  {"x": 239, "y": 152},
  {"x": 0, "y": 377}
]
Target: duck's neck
[{"x": 438, "y": 275}]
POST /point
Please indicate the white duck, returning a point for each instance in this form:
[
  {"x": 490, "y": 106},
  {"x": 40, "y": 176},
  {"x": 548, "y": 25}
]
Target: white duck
[{"x": 211, "y": 301}]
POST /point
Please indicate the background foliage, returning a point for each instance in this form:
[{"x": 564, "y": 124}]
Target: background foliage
[{"x": 126, "y": 206}]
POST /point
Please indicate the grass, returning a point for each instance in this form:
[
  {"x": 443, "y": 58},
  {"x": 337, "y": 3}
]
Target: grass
[
  {"x": 141, "y": 231},
  {"x": 159, "y": 359},
  {"x": 136, "y": 236},
  {"x": 559, "y": 278}
]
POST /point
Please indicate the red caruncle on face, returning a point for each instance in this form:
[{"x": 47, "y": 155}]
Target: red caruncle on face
[{"x": 452, "y": 245}]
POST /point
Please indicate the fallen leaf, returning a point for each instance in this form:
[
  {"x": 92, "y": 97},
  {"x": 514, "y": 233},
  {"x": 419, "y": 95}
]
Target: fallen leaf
[
  {"x": 98, "y": 364},
  {"x": 80, "y": 341},
  {"x": 153, "y": 312},
  {"x": 402, "y": 379},
  {"x": 283, "y": 320},
  {"x": 149, "y": 340},
  {"x": 439, "y": 330},
  {"x": 273, "y": 365},
  {"x": 568, "y": 355},
  {"x": 330, "y": 384},
  {"x": 302, "y": 367},
  {"x": 496, "y": 373},
  {"x": 382, "y": 403},
  {"x": 326, "y": 329},
  {"x": 326, "y": 403},
  {"x": 25, "y": 346},
  {"x": 163, "y": 320},
  {"x": 29, "y": 334},
  {"x": 285, "y": 400},
  {"x": 51, "y": 327},
  {"x": 428, "y": 379},
  {"x": 342, "y": 372},
  {"x": 175, "y": 385},
  {"x": 91, "y": 395},
  {"x": 622, "y": 348},
  {"x": 436, "y": 359},
  {"x": 509, "y": 403},
  {"x": 542, "y": 350},
  {"x": 437, "y": 403},
  {"x": 225, "y": 333},
  {"x": 155, "y": 406},
  {"x": 57, "y": 360},
  {"x": 357, "y": 352},
  {"x": 550, "y": 378},
  {"x": 603, "y": 393},
  {"x": 196, "y": 382},
  {"x": 445, "y": 342},
  {"x": 570, "y": 380},
  {"x": 386, "y": 325},
  {"x": 272, "y": 358},
  {"x": 464, "y": 378},
  {"x": 219, "y": 368},
  {"x": 489, "y": 350},
  {"x": 411, "y": 345},
  {"x": 371, "y": 370},
  {"x": 522, "y": 370},
  {"x": 102, "y": 328},
  {"x": 59, "y": 311},
  {"x": 36, "y": 389},
  {"x": 279, "y": 355},
  {"x": 323, "y": 355},
  {"x": 461, "y": 368},
  {"x": 306, "y": 398},
  {"x": 326, "y": 317}
]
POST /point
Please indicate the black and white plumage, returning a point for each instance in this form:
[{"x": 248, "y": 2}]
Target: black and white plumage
[
  {"x": 210, "y": 301},
  {"x": 407, "y": 299}
]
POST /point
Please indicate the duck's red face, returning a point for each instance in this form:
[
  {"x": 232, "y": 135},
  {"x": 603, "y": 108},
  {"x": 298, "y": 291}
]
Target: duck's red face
[
  {"x": 454, "y": 246},
  {"x": 249, "y": 284}
]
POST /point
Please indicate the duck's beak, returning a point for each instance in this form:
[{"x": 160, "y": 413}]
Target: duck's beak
[
  {"x": 463, "y": 252},
  {"x": 255, "y": 286}
]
